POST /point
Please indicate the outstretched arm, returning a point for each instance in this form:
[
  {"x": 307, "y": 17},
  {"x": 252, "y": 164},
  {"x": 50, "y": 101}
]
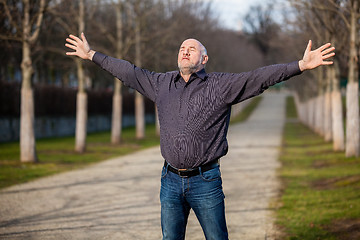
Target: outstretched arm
[
  {"x": 317, "y": 57},
  {"x": 142, "y": 80},
  {"x": 81, "y": 47}
]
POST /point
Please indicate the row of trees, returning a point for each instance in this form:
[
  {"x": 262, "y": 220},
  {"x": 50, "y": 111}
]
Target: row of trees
[
  {"x": 319, "y": 99},
  {"x": 147, "y": 33}
]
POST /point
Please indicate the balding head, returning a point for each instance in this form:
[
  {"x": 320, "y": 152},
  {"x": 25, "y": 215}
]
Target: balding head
[
  {"x": 192, "y": 56},
  {"x": 200, "y": 45}
]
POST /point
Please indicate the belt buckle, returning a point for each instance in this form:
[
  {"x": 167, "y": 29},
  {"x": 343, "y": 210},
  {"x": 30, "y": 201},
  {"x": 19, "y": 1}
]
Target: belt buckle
[{"x": 182, "y": 171}]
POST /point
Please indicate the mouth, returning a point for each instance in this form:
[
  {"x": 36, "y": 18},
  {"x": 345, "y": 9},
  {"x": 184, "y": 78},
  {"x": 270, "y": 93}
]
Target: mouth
[{"x": 185, "y": 58}]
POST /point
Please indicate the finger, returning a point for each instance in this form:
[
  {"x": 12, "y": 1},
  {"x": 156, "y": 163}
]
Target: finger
[
  {"x": 324, "y": 46},
  {"x": 308, "y": 47},
  {"x": 327, "y": 62},
  {"x": 328, "y": 55},
  {"x": 75, "y": 38},
  {"x": 326, "y": 51},
  {"x": 70, "y": 46},
  {"x": 83, "y": 37},
  {"x": 71, "y": 41},
  {"x": 70, "y": 53}
]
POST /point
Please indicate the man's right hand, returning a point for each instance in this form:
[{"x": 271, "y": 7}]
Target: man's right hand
[{"x": 81, "y": 47}]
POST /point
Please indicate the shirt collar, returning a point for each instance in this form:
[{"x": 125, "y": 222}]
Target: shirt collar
[{"x": 200, "y": 74}]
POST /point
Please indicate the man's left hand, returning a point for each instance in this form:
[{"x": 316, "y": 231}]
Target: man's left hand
[{"x": 317, "y": 57}]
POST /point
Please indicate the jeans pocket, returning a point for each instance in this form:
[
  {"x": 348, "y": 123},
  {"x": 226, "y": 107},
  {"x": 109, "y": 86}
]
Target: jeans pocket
[
  {"x": 164, "y": 172},
  {"x": 212, "y": 174}
]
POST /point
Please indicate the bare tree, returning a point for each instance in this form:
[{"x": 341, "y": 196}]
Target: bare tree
[
  {"x": 262, "y": 29},
  {"x": 116, "y": 123},
  {"x": 73, "y": 21},
  {"x": 321, "y": 13},
  {"x": 139, "y": 99},
  {"x": 348, "y": 13},
  {"x": 24, "y": 23},
  {"x": 120, "y": 42},
  {"x": 81, "y": 98}
]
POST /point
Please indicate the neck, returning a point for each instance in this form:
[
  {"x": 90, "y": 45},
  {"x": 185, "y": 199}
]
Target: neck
[{"x": 185, "y": 76}]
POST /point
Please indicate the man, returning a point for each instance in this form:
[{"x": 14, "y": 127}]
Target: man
[{"x": 194, "y": 111}]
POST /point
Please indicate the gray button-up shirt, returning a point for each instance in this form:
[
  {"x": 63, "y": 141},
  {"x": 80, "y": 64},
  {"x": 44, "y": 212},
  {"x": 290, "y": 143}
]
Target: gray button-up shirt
[{"x": 194, "y": 116}]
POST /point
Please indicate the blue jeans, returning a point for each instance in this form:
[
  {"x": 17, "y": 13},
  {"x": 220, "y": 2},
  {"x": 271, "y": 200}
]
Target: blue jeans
[{"x": 202, "y": 193}]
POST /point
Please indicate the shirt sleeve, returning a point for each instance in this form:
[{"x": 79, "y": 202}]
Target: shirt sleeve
[
  {"x": 239, "y": 87},
  {"x": 142, "y": 80}
]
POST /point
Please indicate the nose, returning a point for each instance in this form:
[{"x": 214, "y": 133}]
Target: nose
[{"x": 186, "y": 52}]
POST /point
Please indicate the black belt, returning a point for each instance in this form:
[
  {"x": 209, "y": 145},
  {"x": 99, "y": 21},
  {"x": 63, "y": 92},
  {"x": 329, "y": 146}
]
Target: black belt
[{"x": 192, "y": 171}]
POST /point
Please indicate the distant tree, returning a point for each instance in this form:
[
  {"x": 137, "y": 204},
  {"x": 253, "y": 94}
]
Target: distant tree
[
  {"x": 262, "y": 29},
  {"x": 320, "y": 18},
  {"x": 352, "y": 88}
]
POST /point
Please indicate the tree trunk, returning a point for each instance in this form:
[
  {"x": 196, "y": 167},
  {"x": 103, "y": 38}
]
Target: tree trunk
[
  {"x": 139, "y": 99},
  {"x": 157, "y": 122},
  {"x": 81, "y": 121},
  {"x": 27, "y": 118},
  {"x": 327, "y": 110},
  {"x": 139, "y": 116},
  {"x": 116, "y": 123},
  {"x": 27, "y": 121},
  {"x": 320, "y": 114},
  {"x": 352, "y": 90},
  {"x": 81, "y": 111},
  {"x": 319, "y": 118},
  {"x": 352, "y": 119},
  {"x": 81, "y": 103},
  {"x": 312, "y": 110},
  {"x": 337, "y": 116},
  {"x": 298, "y": 106}
]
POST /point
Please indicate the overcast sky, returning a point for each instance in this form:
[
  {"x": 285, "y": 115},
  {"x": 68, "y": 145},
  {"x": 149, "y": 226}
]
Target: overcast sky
[{"x": 231, "y": 12}]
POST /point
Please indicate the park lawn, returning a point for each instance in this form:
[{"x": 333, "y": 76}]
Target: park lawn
[
  {"x": 246, "y": 112},
  {"x": 57, "y": 154},
  {"x": 320, "y": 198}
]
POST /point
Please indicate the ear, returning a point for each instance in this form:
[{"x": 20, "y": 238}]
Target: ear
[{"x": 205, "y": 59}]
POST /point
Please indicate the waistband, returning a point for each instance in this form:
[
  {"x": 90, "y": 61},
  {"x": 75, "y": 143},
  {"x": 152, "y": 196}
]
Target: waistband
[{"x": 192, "y": 171}]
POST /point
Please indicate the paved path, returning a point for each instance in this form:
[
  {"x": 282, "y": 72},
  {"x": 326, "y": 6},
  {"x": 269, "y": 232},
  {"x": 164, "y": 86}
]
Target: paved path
[{"x": 119, "y": 198}]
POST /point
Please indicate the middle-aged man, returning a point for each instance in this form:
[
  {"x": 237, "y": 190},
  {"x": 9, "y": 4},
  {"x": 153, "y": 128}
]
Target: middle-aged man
[{"x": 194, "y": 111}]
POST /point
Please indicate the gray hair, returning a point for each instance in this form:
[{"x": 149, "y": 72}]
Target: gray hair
[{"x": 203, "y": 52}]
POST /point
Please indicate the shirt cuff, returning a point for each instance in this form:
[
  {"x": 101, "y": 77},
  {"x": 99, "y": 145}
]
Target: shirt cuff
[
  {"x": 293, "y": 69},
  {"x": 98, "y": 58}
]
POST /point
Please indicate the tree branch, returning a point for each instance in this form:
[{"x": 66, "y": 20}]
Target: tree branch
[
  {"x": 39, "y": 19},
  {"x": 12, "y": 38},
  {"x": 9, "y": 16},
  {"x": 335, "y": 10},
  {"x": 105, "y": 33}
]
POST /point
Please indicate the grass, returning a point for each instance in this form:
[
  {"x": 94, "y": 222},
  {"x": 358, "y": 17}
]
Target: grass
[
  {"x": 321, "y": 188},
  {"x": 57, "y": 154},
  {"x": 246, "y": 112}
]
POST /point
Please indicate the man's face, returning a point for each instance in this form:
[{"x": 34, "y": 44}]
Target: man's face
[{"x": 190, "y": 59}]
